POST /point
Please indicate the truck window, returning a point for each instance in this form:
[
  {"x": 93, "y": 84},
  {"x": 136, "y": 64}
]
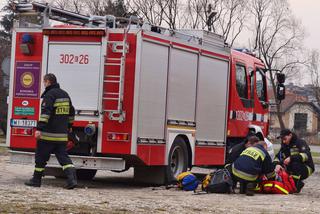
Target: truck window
[
  {"x": 261, "y": 85},
  {"x": 241, "y": 81},
  {"x": 251, "y": 72}
]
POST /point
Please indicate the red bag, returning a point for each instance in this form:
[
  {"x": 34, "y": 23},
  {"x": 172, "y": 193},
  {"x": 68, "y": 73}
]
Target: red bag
[{"x": 284, "y": 184}]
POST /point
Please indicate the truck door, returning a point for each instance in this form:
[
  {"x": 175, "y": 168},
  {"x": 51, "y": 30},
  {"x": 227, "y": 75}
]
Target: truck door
[
  {"x": 261, "y": 100},
  {"x": 78, "y": 70},
  {"x": 76, "y": 57}
]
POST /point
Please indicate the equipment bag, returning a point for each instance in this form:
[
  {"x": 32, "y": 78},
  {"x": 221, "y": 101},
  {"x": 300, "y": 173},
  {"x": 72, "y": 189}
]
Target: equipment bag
[
  {"x": 219, "y": 181},
  {"x": 284, "y": 184},
  {"x": 187, "y": 181}
]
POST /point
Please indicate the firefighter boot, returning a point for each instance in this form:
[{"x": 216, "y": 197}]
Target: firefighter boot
[
  {"x": 35, "y": 181},
  {"x": 243, "y": 187},
  {"x": 250, "y": 189},
  {"x": 71, "y": 178},
  {"x": 299, "y": 185}
]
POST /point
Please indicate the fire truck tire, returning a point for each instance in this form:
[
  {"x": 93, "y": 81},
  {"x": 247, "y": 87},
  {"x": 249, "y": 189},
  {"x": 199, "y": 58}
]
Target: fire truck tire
[
  {"x": 86, "y": 174},
  {"x": 177, "y": 159}
]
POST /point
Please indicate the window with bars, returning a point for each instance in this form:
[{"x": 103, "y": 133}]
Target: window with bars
[{"x": 300, "y": 121}]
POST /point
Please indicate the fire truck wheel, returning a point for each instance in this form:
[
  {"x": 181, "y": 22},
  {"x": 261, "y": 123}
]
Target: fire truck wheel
[
  {"x": 178, "y": 159},
  {"x": 86, "y": 174}
]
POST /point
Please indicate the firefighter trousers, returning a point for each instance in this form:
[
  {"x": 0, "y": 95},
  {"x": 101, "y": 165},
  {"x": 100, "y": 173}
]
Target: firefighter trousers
[
  {"x": 45, "y": 149},
  {"x": 298, "y": 170}
]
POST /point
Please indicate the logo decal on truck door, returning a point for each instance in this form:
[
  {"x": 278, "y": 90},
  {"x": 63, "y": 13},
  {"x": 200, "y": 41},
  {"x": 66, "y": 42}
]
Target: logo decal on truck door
[{"x": 27, "y": 79}]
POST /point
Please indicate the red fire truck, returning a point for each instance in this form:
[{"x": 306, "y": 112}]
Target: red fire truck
[{"x": 158, "y": 100}]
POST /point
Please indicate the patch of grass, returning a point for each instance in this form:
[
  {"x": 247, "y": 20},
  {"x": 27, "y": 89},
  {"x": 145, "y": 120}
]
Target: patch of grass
[
  {"x": 316, "y": 161},
  {"x": 3, "y": 150},
  {"x": 315, "y": 154}
]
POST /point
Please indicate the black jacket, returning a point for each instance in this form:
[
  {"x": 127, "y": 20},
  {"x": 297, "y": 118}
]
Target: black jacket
[
  {"x": 235, "y": 152},
  {"x": 57, "y": 115},
  {"x": 252, "y": 163},
  {"x": 297, "y": 150}
]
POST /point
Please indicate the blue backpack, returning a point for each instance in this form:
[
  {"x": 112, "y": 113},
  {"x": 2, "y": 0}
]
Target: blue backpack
[{"x": 187, "y": 181}]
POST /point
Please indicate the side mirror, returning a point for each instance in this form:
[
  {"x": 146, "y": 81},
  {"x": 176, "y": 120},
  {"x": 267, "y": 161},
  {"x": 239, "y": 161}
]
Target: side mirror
[
  {"x": 281, "y": 92},
  {"x": 281, "y": 78}
]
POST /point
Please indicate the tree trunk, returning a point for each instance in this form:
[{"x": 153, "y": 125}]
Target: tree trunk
[
  {"x": 274, "y": 90},
  {"x": 279, "y": 115}
]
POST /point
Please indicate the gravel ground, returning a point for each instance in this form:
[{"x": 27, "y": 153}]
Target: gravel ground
[{"x": 117, "y": 193}]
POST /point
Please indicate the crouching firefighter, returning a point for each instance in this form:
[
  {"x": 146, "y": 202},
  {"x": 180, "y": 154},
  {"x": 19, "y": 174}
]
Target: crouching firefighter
[
  {"x": 253, "y": 163},
  {"x": 295, "y": 156},
  {"x": 57, "y": 115}
]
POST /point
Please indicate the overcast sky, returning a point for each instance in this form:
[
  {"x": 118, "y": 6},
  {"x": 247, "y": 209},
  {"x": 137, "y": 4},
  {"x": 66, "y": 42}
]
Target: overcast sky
[{"x": 308, "y": 11}]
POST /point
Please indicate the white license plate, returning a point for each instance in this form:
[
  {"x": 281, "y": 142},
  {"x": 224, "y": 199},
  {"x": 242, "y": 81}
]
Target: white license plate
[{"x": 23, "y": 123}]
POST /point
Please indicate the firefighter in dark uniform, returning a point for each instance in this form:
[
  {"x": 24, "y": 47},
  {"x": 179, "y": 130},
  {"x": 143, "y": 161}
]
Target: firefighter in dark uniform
[
  {"x": 57, "y": 115},
  {"x": 236, "y": 150},
  {"x": 295, "y": 157},
  {"x": 253, "y": 163}
]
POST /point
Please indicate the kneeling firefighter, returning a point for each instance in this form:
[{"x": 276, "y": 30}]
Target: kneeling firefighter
[
  {"x": 295, "y": 156},
  {"x": 253, "y": 163},
  {"x": 57, "y": 115}
]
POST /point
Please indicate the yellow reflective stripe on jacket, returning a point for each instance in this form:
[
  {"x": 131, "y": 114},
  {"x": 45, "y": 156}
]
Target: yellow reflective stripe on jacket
[
  {"x": 257, "y": 188},
  {"x": 53, "y": 136},
  {"x": 297, "y": 177},
  {"x": 310, "y": 170},
  {"x": 304, "y": 157},
  {"x": 41, "y": 119},
  {"x": 278, "y": 187},
  {"x": 44, "y": 118},
  {"x": 254, "y": 153},
  {"x": 62, "y": 99},
  {"x": 37, "y": 169},
  {"x": 243, "y": 175},
  {"x": 67, "y": 166},
  {"x": 57, "y": 104},
  {"x": 294, "y": 153},
  {"x": 227, "y": 165}
]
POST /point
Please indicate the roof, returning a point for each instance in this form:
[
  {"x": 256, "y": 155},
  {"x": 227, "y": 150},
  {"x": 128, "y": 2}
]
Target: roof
[
  {"x": 289, "y": 101},
  {"x": 313, "y": 106}
]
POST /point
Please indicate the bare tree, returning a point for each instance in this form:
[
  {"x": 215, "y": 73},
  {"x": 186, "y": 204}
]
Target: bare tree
[
  {"x": 277, "y": 36},
  {"x": 314, "y": 74},
  {"x": 231, "y": 20},
  {"x": 170, "y": 9},
  {"x": 62, "y": 4},
  {"x": 226, "y": 18},
  {"x": 158, "y": 12},
  {"x": 202, "y": 14},
  {"x": 94, "y": 7},
  {"x": 149, "y": 11}
]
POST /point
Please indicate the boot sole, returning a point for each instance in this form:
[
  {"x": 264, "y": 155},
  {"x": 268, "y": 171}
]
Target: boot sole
[
  {"x": 31, "y": 185},
  {"x": 70, "y": 187}
]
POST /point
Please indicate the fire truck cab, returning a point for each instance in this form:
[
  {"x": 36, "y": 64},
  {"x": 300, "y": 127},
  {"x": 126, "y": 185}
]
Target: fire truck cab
[{"x": 159, "y": 100}]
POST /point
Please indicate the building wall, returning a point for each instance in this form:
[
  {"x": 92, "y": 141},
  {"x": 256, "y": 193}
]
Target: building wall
[
  {"x": 288, "y": 118},
  {"x": 301, "y": 108}
]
